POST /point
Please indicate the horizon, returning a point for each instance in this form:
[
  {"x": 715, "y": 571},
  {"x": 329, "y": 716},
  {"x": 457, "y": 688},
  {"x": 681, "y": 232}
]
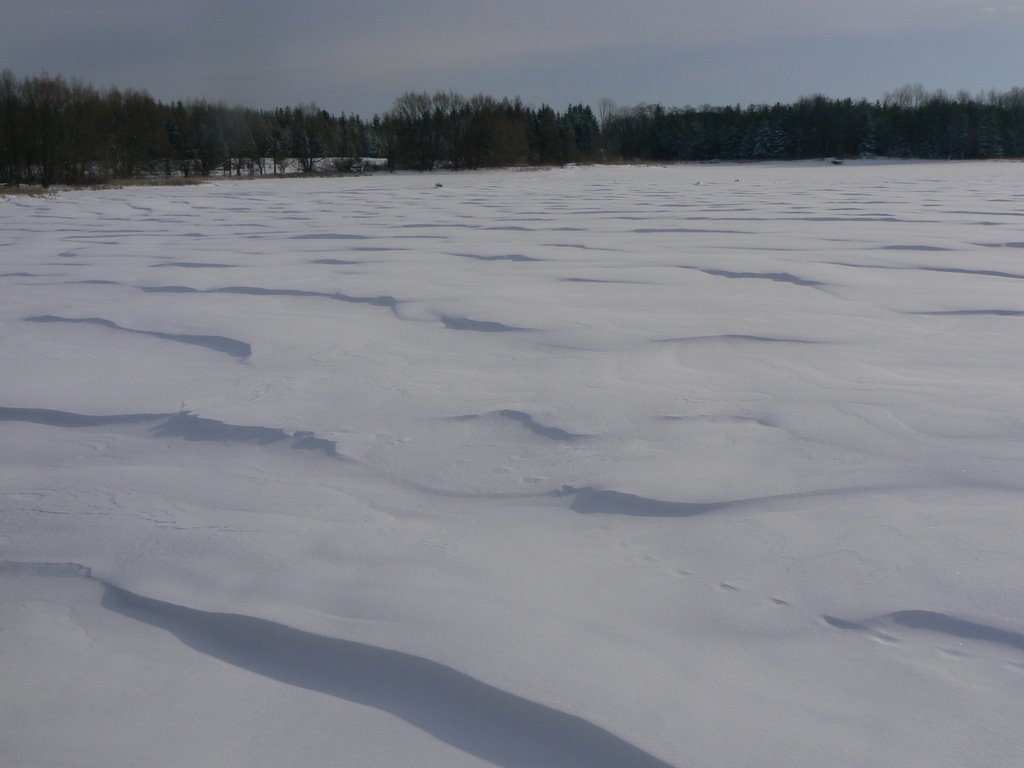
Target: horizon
[
  {"x": 977, "y": 95},
  {"x": 356, "y": 60}
]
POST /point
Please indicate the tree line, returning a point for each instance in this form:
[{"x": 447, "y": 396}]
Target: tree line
[
  {"x": 54, "y": 130},
  {"x": 908, "y": 123}
]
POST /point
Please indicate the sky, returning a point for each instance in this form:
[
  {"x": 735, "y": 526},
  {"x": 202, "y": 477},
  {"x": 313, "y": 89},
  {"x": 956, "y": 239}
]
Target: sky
[{"x": 357, "y": 57}]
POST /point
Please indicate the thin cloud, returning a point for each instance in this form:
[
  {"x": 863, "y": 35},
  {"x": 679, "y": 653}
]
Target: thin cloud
[{"x": 359, "y": 56}]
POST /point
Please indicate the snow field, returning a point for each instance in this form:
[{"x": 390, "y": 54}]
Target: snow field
[{"x": 689, "y": 466}]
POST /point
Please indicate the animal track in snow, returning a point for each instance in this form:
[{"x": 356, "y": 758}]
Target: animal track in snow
[{"x": 934, "y": 622}]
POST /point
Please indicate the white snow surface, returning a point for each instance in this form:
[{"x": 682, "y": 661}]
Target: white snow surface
[{"x": 616, "y": 466}]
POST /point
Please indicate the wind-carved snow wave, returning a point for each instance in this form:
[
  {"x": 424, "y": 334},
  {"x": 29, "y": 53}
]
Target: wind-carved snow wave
[
  {"x": 503, "y": 257},
  {"x": 1002, "y": 245},
  {"x": 529, "y": 422},
  {"x": 924, "y": 248},
  {"x": 182, "y": 424},
  {"x": 330, "y": 236},
  {"x": 932, "y": 621},
  {"x": 225, "y": 344},
  {"x": 979, "y": 312},
  {"x": 62, "y": 570},
  {"x": 51, "y": 418},
  {"x": 776, "y": 277},
  {"x": 188, "y": 426},
  {"x": 480, "y": 719},
  {"x": 730, "y": 337},
  {"x": 377, "y": 301},
  {"x": 928, "y": 268},
  {"x": 453, "y": 323},
  {"x": 589, "y": 500},
  {"x": 981, "y": 272},
  {"x": 594, "y": 501}
]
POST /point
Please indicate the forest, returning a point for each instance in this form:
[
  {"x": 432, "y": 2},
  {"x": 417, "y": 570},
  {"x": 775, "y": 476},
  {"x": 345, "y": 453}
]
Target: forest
[{"x": 55, "y": 130}]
